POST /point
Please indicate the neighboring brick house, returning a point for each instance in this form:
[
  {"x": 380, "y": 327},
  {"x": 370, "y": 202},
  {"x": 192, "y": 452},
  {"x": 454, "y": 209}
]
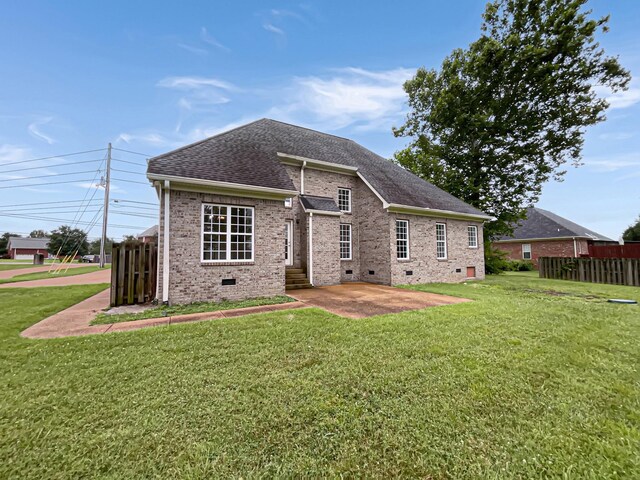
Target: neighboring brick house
[
  {"x": 24, "y": 248},
  {"x": 269, "y": 206},
  {"x": 545, "y": 234},
  {"x": 150, "y": 235}
]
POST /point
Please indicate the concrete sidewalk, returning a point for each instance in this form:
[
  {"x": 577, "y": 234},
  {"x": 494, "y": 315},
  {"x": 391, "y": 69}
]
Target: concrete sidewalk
[
  {"x": 75, "y": 320},
  {"x": 100, "y": 276},
  {"x": 4, "y": 274}
]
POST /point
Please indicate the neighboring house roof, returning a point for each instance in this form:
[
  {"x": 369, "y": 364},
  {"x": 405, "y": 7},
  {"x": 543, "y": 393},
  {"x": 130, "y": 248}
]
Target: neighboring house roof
[
  {"x": 34, "y": 243},
  {"x": 149, "y": 232},
  {"x": 541, "y": 224},
  {"x": 248, "y": 155},
  {"x": 323, "y": 204}
]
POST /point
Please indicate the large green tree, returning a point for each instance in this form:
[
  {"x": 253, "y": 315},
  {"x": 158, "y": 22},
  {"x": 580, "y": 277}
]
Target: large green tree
[
  {"x": 94, "y": 246},
  {"x": 4, "y": 241},
  {"x": 67, "y": 241},
  {"x": 632, "y": 234},
  {"x": 38, "y": 234},
  {"x": 501, "y": 117}
]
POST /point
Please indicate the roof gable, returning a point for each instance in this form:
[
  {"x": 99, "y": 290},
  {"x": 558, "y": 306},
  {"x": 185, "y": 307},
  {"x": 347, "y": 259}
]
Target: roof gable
[
  {"x": 248, "y": 155},
  {"x": 545, "y": 224},
  {"x": 28, "y": 242}
]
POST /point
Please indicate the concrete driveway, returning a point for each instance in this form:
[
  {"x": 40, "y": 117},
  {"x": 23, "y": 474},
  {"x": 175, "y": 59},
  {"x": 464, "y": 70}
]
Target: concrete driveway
[{"x": 360, "y": 300}]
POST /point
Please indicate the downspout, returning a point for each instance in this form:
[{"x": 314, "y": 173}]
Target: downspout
[
  {"x": 575, "y": 248},
  {"x": 165, "y": 244},
  {"x": 304, "y": 164},
  {"x": 158, "y": 186},
  {"x": 311, "y": 248}
]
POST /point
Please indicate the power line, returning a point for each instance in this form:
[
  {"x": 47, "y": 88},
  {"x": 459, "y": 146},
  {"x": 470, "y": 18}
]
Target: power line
[
  {"x": 118, "y": 200},
  {"x": 65, "y": 220},
  {"x": 128, "y": 171},
  {"x": 130, "y": 162},
  {"x": 129, "y": 151},
  {"x": 43, "y": 184},
  {"x": 54, "y": 156},
  {"x": 46, "y": 176},
  {"x": 128, "y": 181},
  {"x": 49, "y": 166},
  {"x": 43, "y": 203}
]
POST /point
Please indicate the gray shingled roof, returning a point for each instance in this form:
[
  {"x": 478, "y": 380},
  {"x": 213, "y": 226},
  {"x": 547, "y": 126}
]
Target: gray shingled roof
[
  {"x": 544, "y": 224},
  {"x": 149, "y": 232},
  {"x": 22, "y": 242},
  {"x": 248, "y": 155},
  {"x": 325, "y": 204}
]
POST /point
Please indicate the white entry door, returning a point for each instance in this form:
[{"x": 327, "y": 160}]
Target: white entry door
[{"x": 288, "y": 246}]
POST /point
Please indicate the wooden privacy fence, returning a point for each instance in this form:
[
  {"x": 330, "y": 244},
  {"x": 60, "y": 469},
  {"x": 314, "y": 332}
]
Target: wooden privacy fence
[
  {"x": 133, "y": 273},
  {"x": 615, "y": 271},
  {"x": 628, "y": 250}
]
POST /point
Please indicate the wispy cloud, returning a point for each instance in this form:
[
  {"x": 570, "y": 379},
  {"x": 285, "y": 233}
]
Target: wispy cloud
[
  {"x": 613, "y": 162},
  {"x": 207, "y": 38},
  {"x": 34, "y": 130},
  {"x": 192, "y": 49},
  {"x": 355, "y": 97},
  {"x": 199, "y": 91},
  {"x": 624, "y": 99},
  {"x": 616, "y": 136},
  {"x": 14, "y": 153},
  {"x": 153, "y": 139},
  {"x": 269, "y": 27}
]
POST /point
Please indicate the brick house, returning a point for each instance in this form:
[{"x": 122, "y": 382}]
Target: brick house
[
  {"x": 21, "y": 248},
  {"x": 150, "y": 235},
  {"x": 269, "y": 206},
  {"x": 545, "y": 234}
]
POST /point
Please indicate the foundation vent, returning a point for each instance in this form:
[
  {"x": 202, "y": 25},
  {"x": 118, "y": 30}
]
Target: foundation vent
[{"x": 228, "y": 281}]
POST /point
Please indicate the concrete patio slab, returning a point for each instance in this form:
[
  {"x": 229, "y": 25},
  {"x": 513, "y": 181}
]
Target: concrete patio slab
[{"x": 360, "y": 300}]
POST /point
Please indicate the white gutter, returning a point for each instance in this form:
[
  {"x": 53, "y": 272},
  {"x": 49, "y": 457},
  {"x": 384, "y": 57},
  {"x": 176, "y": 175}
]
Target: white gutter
[
  {"x": 165, "y": 244},
  {"x": 310, "y": 248},
  {"x": 526, "y": 240},
  {"x": 223, "y": 185},
  {"x": 304, "y": 164},
  {"x": 436, "y": 212}
]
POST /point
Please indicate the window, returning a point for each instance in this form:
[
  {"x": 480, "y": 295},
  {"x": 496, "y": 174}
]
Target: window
[
  {"x": 344, "y": 200},
  {"x": 472, "y": 231},
  {"x": 288, "y": 202},
  {"x": 402, "y": 239},
  {"x": 441, "y": 241},
  {"x": 227, "y": 233},
  {"x": 526, "y": 251},
  {"x": 345, "y": 241}
]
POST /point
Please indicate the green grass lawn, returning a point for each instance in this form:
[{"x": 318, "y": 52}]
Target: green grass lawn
[
  {"x": 533, "y": 379},
  {"x": 41, "y": 275},
  {"x": 198, "y": 307},
  {"x": 15, "y": 266}
]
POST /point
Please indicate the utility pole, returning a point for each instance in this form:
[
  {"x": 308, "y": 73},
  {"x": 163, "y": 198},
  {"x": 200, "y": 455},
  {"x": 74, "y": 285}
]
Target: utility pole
[{"x": 105, "y": 209}]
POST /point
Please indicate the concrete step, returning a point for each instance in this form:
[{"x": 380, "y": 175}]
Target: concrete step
[
  {"x": 297, "y": 286},
  {"x": 296, "y": 281},
  {"x": 296, "y": 275},
  {"x": 294, "y": 270}
]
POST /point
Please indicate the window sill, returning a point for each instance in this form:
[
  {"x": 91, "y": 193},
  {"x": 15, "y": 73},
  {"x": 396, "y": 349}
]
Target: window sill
[
  {"x": 346, "y": 259},
  {"x": 403, "y": 260}
]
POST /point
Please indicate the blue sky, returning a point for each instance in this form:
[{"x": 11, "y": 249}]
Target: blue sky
[{"x": 152, "y": 76}]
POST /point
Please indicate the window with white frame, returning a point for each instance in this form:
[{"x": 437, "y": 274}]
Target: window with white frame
[
  {"x": 288, "y": 202},
  {"x": 344, "y": 200},
  {"x": 526, "y": 251},
  {"x": 402, "y": 239},
  {"x": 472, "y": 232},
  {"x": 441, "y": 241},
  {"x": 227, "y": 233},
  {"x": 345, "y": 241}
]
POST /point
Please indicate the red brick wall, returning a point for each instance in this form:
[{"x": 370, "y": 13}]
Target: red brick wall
[{"x": 547, "y": 248}]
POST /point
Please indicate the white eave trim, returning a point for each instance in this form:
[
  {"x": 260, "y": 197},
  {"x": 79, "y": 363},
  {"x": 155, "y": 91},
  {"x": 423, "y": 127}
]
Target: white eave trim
[
  {"x": 238, "y": 187},
  {"x": 296, "y": 160},
  {"x": 375, "y": 192},
  {"x": 434, "y": 212}
]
